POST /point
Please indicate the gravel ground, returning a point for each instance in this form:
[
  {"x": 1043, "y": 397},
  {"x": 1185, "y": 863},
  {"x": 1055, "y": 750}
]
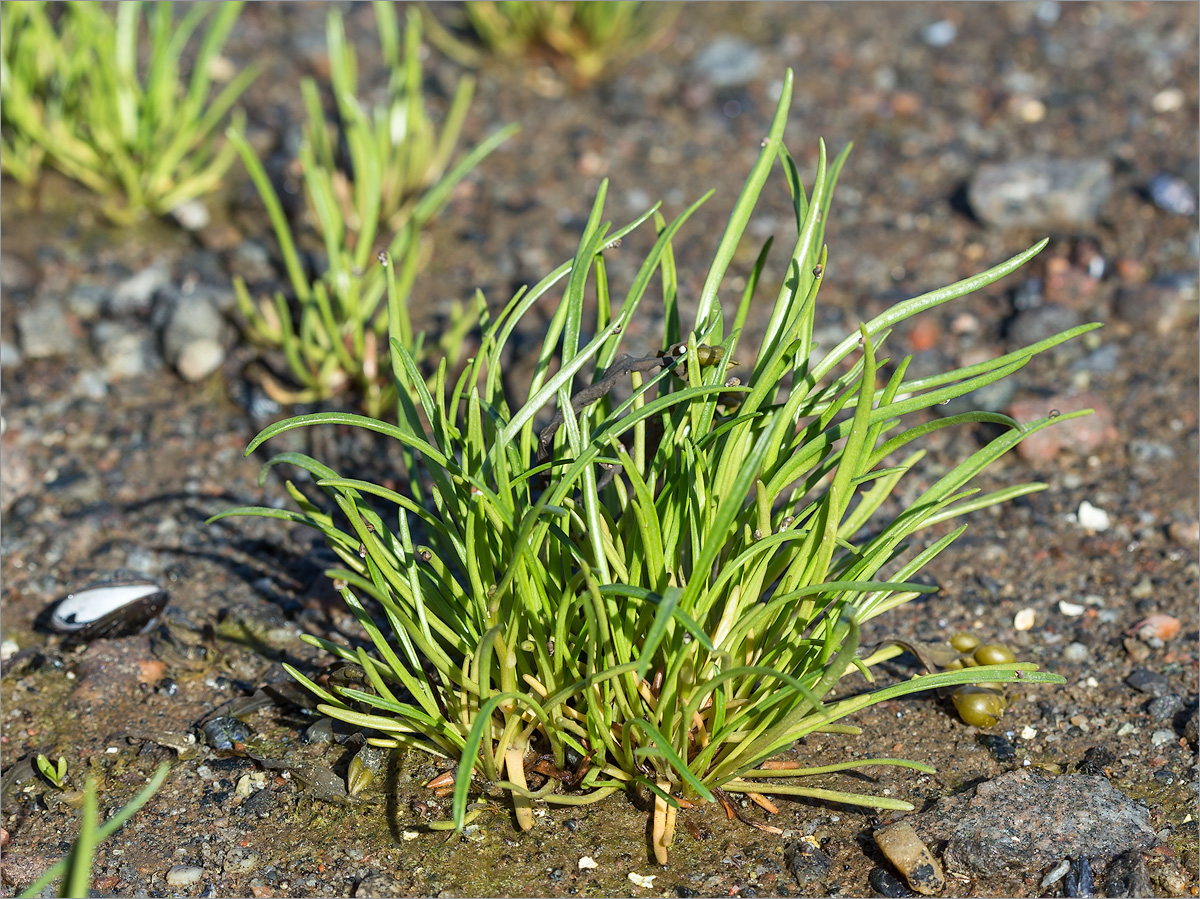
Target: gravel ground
[{"x": 112, "y": 460}]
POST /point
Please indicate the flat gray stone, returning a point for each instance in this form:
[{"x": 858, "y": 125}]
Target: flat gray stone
[{"x": 1038, "y": 193}]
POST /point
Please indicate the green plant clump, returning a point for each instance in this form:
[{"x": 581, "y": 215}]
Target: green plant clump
[
  {"x": 75, "y": 91},
  {"x": 659, "y": 592},
  {"x": 398, "y": 176},
  {"x": 588, "y": 37}
]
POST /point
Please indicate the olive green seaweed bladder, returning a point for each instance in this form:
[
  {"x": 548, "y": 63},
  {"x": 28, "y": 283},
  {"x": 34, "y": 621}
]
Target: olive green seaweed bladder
[{"x": 660, "y": 591}]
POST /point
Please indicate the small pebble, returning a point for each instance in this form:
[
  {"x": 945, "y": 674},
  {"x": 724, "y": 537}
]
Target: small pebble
[
  {"x": 1146, "y": 681},
  {"x": 1162, "y": 737},
  {"x": 1186, "y": 533},
  {"x": 587, "y": 862},
  {"x": 192, "y": 215},
  {"x": 378, "y": 884},
  {"x": 132, "y": 296},
  {"x": 1055, "y": 874},
  {"x": 1093, "y": 518},
  {"x": 939, "y": 34},
  {"x": 45, "y": 330},
  {"x": 807, "y": 862},
  {"x": 1172, "y": 194},
  {"x": 1036, "y": 192},
  {"x": 642, "y": 880},
  {"x": 1024, "y": 619},
  {"x": 1160, "y": 627},
  {"x": 1070, "y": 609},
  {"x": 998, "y": 747},
  {"x": 184, "y": 875},
  {"x": 1074, "y": 652},
  {"x": 1167, "y": 100},
  {"x": 912, "y": 858},
  {"x": 728, "y": 61},
  {"x": 885, "y": 883}
]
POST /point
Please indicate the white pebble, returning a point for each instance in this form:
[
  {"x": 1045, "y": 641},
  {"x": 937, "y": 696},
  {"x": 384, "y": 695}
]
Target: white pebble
[
  {"x": 184, "y": 875},
  {"x": 1056, "y": 873},
  {"x": 1023, "y": 620},
  {"x": 1159, "y": 737},
  {"x": 192, "y": 215},
  {"x": 1074, "y": 652},
  {"x": 1070, "y": 609},
  {"x": 587, "y": 862},
  {"x": 1168, "y": 100},
  {"x": 1126, "y": 729},
  {"x": 1092, "y": 518},
  {"x": 642, "y": 880},
  {"x": 8, "y": 649},
  {"x": 939, "y": 34},
  {"x": 1028, "y": 732}
]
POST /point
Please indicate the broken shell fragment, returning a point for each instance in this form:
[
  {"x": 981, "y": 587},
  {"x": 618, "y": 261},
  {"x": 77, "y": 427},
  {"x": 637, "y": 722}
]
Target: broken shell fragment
[
  {"x": 912, "y": 858},
  {"x": 104, "y": 610}
]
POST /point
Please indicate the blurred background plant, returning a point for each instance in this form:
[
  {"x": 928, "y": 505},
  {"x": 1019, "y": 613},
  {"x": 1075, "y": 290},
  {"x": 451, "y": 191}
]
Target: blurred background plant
[
  {"x": 76, "y": 93},
  {"x": 586, "y": 39},
  {"x": 373, "y": 179},
  {"x": 658, "y": 593}
]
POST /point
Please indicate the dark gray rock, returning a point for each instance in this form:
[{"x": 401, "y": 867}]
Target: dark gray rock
[
  {"x": 1022, "y": 823},
  {"x": 1128, "y": 875},
  {"x": 1040, "y": 322},
  {"x": 1036, "y": 193},
  {"x": 1164, "y": 708},
  {"x": 1146, "y": 681},
  {"x": 807, "y": 863}
]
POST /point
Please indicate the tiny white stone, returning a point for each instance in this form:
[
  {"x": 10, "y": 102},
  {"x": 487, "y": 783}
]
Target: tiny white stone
[
  {"x": 1070, "y": 609},
  {"x": 8, "y": 648},
  {"x": 642, "y": 880},
  {"x": 1092, "y": 518},
  {"x": 1023, "y": 620},
  {"x": 410, "y": 835},
  {"x": 184, "y": 875},
  {"x": 1159, "y": 737},
  {"x": 587, "y": 862},
  {"x": 1028, "y": 732},
  {"x": 1127, "y": 729}
]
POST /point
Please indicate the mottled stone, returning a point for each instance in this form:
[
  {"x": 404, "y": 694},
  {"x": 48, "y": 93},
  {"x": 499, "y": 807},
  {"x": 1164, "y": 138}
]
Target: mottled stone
[{"x": 1022, "y": 823}]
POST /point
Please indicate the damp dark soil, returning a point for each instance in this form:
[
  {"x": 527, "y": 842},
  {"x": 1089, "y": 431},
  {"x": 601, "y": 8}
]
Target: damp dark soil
[{"x": 109, "y": 469}]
